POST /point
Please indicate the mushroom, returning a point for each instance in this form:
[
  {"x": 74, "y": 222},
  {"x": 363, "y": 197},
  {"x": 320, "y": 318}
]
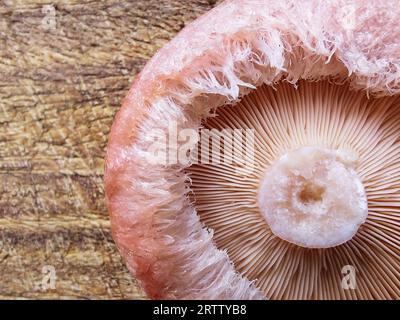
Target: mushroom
[
  {"x": 313, "y": 87},
  {"x": 324, "y": 157}
]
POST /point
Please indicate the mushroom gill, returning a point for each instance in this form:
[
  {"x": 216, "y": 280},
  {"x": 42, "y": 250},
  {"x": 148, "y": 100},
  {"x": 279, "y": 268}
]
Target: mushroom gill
[{"x": 322, "y": 193}]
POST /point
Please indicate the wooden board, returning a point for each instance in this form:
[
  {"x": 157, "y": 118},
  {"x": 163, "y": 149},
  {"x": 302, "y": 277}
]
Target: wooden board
[{"x": 63, "y": 73}]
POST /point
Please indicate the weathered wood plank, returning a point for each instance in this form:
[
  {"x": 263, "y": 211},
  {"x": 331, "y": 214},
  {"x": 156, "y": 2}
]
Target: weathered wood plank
[{"x": 60, "y": 87}]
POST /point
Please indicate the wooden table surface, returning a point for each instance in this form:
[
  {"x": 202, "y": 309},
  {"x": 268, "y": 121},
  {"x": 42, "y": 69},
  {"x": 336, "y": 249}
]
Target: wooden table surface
[{"x": 64, "y": 68}]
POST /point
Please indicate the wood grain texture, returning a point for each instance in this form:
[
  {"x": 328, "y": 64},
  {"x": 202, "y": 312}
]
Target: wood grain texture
[{"x": 59, "y": 90}]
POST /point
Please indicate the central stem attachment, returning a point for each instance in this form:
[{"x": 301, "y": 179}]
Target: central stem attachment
[{"x": 313, "y": 197}]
